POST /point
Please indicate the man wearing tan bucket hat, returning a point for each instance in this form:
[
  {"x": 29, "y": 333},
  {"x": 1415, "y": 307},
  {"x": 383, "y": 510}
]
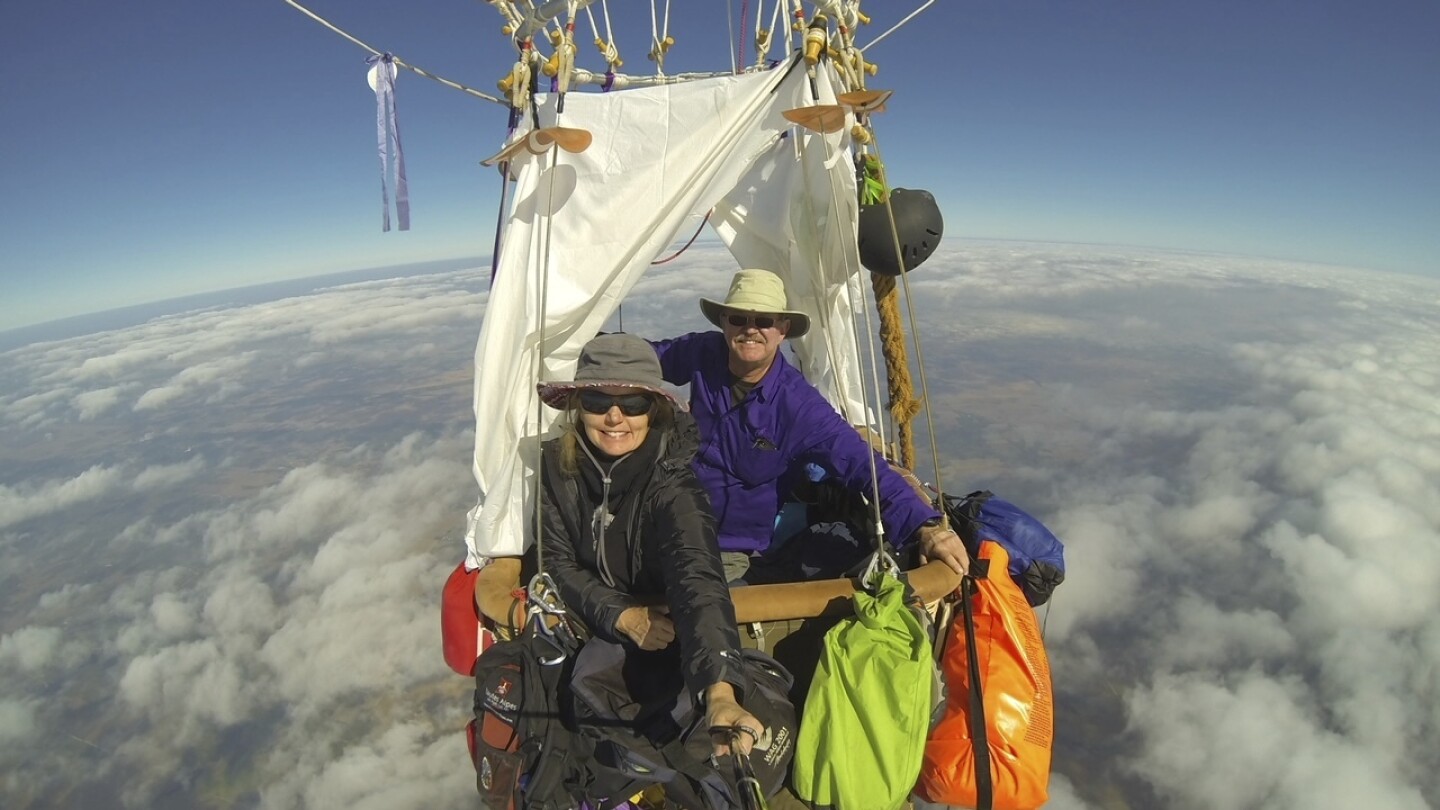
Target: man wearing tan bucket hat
[{"x": 764, "y": 428}]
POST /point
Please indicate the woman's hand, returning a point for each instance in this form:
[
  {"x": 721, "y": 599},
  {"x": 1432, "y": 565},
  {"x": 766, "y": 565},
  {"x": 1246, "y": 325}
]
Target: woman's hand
[
  {"x": 722, "y": 711},
  {"x": 649, "y": 627}
]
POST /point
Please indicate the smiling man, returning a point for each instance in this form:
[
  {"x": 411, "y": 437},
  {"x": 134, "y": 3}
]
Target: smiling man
[{"x": 764, "y": 427}]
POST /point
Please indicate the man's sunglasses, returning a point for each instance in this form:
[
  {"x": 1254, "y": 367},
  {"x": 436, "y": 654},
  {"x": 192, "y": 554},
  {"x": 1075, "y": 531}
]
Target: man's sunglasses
[
  {"x": 760, "y": 321},
  {"x": 599, "y": 402}
]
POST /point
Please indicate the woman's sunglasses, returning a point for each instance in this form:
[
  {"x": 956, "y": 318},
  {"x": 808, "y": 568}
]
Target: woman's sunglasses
[
  {"x": 599, "y": 402},
  {"x": 760, "y": 321}
]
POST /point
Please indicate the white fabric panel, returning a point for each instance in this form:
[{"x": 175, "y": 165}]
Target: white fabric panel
[
  {"x": 580, "y": 234},
  {"x": 795, "y": 213}
]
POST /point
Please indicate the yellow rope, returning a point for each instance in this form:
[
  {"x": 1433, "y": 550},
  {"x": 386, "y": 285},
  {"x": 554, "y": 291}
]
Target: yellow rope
[{"x": 903, "y": 405}]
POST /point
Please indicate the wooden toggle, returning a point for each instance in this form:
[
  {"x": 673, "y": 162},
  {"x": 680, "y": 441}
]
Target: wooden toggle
[
  {"x": 828, "y": 118},
  {"x": 865, "y": 101},
  {"x": 539, "y": 141}
]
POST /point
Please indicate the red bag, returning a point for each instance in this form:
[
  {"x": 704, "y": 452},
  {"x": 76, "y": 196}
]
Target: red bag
[
  {"x": 462, "y": 634},
  {"x": 1014, "y": 674}
]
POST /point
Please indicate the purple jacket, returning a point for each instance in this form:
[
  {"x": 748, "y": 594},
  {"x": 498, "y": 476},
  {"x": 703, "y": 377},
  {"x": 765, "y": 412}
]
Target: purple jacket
[{"x": 752, "y": 454}]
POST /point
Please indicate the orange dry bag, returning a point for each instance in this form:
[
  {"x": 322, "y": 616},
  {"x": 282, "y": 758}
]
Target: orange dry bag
[{"x": 1009, "y": 712}]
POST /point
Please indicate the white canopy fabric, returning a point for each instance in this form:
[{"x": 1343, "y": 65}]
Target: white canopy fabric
[{"x": 584, "y": 227}]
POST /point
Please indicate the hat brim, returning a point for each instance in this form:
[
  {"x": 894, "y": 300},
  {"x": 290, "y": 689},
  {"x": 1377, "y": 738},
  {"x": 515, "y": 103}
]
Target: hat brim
[
  {"x": 555, "y": 394},
  {"x": 714, "y": 312}
]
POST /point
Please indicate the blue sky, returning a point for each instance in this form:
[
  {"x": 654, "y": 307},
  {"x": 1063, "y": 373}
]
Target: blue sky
[{"x": 160, "y": 149}]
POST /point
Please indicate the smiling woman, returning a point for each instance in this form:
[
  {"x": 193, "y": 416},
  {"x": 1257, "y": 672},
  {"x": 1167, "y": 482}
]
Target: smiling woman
[
  {"x": 616, "y": 419},
  {"x": 616, "y": 397},
  {"x": 625, "y": 519}
]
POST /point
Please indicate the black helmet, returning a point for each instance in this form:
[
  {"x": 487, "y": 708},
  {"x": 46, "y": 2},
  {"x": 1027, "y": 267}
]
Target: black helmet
[{"x": 918, "y": 223}]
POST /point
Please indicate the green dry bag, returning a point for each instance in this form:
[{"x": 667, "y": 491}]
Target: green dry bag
[{"x": 868, "y": 712}]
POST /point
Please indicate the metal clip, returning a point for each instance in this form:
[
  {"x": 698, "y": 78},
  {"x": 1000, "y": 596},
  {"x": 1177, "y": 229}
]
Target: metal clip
[
  {"x": 880, "y": 564},
  {"x": 757, "y": 632},
  {"x": 544, "y": 605}
]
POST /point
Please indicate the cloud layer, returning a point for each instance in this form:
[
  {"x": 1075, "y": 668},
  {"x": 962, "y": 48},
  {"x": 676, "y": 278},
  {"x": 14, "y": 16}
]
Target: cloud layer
[
  {"x": 236, "y": 605},
  {"x": 223, "y": 533}
]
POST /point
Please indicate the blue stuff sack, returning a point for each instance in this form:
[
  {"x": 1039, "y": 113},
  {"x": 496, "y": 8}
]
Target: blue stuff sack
[{"x": 1037, "y": 557}]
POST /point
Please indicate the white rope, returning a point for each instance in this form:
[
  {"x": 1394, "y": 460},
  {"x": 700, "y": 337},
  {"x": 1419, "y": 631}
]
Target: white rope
[
  {"x": 824, "y": 314},
  {"x": 610, "y": 52},
  {"x": 512, "y": 14},
  {"x": 659, "y": 34},
  {"x": 790, "y": 32},
  {"x": 896, "y": 26},
  {"x": 730, "y": 26},
  {"x": 777, "y": 19},
  {"x": 538, "y": 17},
  {"x": 594, "y": 29},
  {"x": 543, "y": 268},
  {"x": 881, "y": 412},
  {"x": 914, "y": 332},
  {"x": 512, "y": 17},
  {"x": 874, "y": 387},
  {"x": 397, "y": 60},
  {"x": 623, "y": 80}
]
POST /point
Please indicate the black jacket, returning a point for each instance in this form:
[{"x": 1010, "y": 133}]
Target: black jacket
[{"x": 660, "y": 543}]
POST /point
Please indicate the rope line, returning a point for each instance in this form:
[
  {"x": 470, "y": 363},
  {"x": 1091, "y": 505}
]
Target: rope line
[
  {"x": 874, "y": 388},
  {"x": 397, "y": 60},
  {"x": 823, "y": 316},
  {"x": 696, "y": 235},
  {"x": 730, "y": 25},
  {"x": 578, "y": 76},
  {"x": 891, "y": 331},
  {"x": 896, "y": 26},
  {"x": 543, "y": 267},
  {"x": 903, "y": 405},
  {"x": 659, "y": 37},
  {"x": 919, "y": 353}
]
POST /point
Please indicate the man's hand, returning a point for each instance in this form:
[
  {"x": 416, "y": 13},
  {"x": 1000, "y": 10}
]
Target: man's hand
[
  {"x": 940, "y": 543},
  {"x": 649, "y": 627}
]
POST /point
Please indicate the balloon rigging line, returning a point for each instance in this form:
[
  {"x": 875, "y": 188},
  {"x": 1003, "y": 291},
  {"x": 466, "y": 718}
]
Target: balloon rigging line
[
  {"x": 896, "y": 26},
  {"x": 827, "y": 163},
  {"x": 730, "y": 26},
  {"x": 578, "y": 76},
  {"x": 696, "y": 235},
  {"x": 397, "y": 60},
  {"x": 914, "y": 333}
]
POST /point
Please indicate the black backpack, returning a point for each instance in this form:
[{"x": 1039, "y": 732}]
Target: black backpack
[
  {"x": 643, "y": 728},
  {"x": 527, "y": 756}
]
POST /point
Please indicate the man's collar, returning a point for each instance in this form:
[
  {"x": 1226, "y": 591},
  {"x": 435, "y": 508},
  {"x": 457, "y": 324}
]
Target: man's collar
[{"x": 773, "y": 373}]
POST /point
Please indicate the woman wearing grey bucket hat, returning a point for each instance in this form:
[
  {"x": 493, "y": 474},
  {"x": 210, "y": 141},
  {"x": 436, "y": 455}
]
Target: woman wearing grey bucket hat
[{"x": 625, "y": 524}]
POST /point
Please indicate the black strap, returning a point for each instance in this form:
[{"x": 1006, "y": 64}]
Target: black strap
[
  {"x": 514, "y": 629},
  {"x": 984, "y": 787},
  {"x": 677, "y": 757},
  {"x": 752, "y": 794}
]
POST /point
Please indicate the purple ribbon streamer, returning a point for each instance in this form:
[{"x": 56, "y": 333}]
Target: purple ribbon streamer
[{"x": 387, "y": 128}]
